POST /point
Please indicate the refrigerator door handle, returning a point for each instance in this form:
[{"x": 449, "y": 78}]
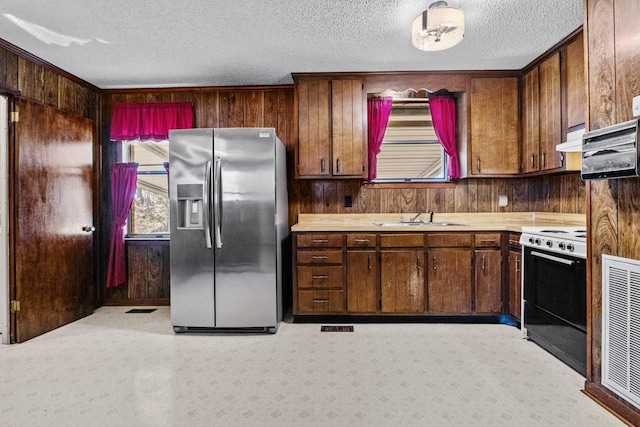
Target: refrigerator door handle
[
  {"x": 206, "y": 202},
  {"x": 217, "y": 204}
]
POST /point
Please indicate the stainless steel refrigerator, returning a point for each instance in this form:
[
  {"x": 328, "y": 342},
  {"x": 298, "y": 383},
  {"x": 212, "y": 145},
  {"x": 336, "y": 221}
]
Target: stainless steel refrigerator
[{"x": 229, "y": 218}]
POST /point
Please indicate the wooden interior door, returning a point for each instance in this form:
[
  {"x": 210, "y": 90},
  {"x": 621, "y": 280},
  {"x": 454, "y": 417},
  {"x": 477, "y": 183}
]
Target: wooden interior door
[{"x": 52, "y": 202}]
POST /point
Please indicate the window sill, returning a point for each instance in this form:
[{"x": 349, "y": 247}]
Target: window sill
[
  {"x": 147, "y": 239},
  {"x": 401, "y": 184}
]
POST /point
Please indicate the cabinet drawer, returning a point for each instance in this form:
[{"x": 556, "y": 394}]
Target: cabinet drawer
[
  {"x": 403, "y": 240},
  {"x": 320, "y": 277},
  {"x": 514, "y": 240},
  {"x": 448, "y": 240},
  {"x": 319, "y": 240},
  {"x": 319, "y": 257},
  {"x": 361, "y": 240},
  {"x": 311, "y": 301},
  {"x": 488, "y": 240}
]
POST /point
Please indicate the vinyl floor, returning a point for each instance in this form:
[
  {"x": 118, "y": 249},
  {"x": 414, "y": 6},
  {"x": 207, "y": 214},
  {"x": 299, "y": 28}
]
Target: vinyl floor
[{"x": 129, "y": 369}]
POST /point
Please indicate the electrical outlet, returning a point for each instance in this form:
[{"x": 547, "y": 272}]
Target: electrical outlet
[
  {"x": 348, "y": 201},
  {"x": 635, "y": 105},
  {"x": 503, "y": 200}
]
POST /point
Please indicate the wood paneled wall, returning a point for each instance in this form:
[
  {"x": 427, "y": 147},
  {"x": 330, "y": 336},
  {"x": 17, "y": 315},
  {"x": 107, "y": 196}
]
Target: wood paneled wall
[
  {"x": 274, "y": 107},
  {"x": 559, "y": 193},
  {"x": 213, "y": 107},
  {"x": 39, "y": 82},
  {"x": 613, "y": 206}
]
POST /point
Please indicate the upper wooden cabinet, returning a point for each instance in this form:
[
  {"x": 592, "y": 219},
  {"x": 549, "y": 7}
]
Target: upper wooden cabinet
[
  {"x": 530, "y": 121},
  {"x": 576, "y": 94},
  {"x": 494, "y": 148},
  {"x": 553, "y": 102},
  {"x": 550, "y": 113},
  {"x": 331, "y": 138},
  {"x": 542, "y": 117}
]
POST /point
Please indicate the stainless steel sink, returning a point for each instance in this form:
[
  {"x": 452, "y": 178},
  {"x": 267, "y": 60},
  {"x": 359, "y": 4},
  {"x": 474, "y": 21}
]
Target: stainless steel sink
[{"x": 409, "y": 224}]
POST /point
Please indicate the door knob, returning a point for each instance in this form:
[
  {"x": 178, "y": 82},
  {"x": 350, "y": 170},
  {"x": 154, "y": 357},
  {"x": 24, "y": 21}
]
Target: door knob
[{"x": 88, "y": 228}]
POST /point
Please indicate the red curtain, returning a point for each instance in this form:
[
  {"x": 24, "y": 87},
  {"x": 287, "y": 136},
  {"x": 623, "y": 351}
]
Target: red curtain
[
  {"x": 143, "y": 121},
  {"x": 378, "y": 111},
  {"x": 124, "y": 177},
  {"x": 443, "y": 113}
]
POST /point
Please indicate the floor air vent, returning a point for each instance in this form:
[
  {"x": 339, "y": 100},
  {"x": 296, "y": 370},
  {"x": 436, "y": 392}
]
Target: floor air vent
[
  {"x": 141, "y": 310},
  {"x": 621, "y": 327},
  {"x": 336, "y": 328}
]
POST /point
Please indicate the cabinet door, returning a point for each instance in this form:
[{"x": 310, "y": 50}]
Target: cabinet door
[
  {"x": 488, "y": 271},
  {"x": 402, "y": 281},
  {"x": 530, "y": 121},
  {"x": 348, "y": 144},
  {"x": 314, "y": 149},
  {"x": 362, "y": 275},
  {"x": 550, "y": 115},
  {"x": 575, "y": 87},
  {"x": 449, "y": 282},
  {"x": 515, "y": 283},
  {"x": 494, "y": 126}
]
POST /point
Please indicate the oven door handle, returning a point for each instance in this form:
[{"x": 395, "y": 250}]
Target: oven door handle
[{"x": 552, "y": 258}]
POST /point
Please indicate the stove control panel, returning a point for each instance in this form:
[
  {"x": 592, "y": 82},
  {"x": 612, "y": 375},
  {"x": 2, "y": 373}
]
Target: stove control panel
[{"x": 576, "y": 248}]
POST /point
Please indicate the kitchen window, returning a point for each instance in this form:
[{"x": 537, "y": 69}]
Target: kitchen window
[
  {"x": 410, "y": 150},
  {"x": 149, "y": 215}
]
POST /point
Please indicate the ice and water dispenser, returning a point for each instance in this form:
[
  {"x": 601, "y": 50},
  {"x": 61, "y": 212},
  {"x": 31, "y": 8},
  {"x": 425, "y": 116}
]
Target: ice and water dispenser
[{"x": 190, "y": 206}]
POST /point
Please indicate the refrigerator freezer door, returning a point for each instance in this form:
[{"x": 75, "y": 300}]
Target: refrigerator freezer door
[
  {"x": 246, "y": 294},
  {"x": 192, "y": 257}
]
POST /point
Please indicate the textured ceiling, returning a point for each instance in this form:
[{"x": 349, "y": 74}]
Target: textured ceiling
[{"x": 160, "y": 43}]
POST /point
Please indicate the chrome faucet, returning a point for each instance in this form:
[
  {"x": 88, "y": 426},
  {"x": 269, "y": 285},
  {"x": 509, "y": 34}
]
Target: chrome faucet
[{"x": 430, "y": 212}]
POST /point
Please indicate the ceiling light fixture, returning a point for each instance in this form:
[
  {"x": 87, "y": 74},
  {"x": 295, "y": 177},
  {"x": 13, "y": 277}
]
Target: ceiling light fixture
[{"x": 437, "y": 28}]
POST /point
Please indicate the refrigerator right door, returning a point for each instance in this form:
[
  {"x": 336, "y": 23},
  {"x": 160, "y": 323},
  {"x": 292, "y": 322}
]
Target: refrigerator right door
[{"x": 244, "y": 228}]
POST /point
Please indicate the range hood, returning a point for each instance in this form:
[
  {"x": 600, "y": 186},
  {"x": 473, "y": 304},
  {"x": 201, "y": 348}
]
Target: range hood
[{"x": 573, "y": 142}]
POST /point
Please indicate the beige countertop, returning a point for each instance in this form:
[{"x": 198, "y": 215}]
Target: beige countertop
[{"x": 502, "y": 221}]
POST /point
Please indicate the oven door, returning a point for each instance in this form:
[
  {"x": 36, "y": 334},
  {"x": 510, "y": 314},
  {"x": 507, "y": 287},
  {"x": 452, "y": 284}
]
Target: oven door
[{"x": 555, "y": 304}]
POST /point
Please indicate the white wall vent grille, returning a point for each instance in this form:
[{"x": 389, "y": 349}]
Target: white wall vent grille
[{"x": 621, "y": 327}]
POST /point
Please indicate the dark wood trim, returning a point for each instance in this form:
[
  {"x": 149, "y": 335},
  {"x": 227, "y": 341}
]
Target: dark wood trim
[
  {"x": 395, "y": 74},
  {"x": 612, "y": 403},
  {"x": 141, "y": 301},
  {"x": 47, "y": 65},
  {"x": 108, "y": 92},
  {"x": 405, "y": 185},
  {"x": 6, "y": 90},
  {"x": 552, "y": 50}
]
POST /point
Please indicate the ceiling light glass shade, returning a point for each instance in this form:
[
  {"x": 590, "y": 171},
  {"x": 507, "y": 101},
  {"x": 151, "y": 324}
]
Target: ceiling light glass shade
[{"x": 439, "y": 27}]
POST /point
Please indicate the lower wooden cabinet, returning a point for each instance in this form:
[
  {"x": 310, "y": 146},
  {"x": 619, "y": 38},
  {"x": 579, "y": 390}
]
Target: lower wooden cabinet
[
  {"x": 362, "y": 281},
  {"x": 515, "y": 277},
  {"x": 319, "y": 274},
  {"x": 402, "y": 281},
  {"x": 449, "y": 281},
  {"x": 488, "y": 273},
  {"x": 403, "y": 273},
  {"x": 488, "y": 268},
  {"x": 311, "y": 301}
]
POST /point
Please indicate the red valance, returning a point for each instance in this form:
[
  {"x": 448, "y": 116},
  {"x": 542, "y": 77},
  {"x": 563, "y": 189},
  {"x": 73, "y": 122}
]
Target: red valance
[{"x": 132, "y": 121}]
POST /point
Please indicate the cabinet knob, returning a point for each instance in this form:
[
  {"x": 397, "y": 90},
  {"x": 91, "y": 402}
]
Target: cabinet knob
[
  {"x": 533, "y": 161},
  {"x": 88, "y": 228},
  {"x": 322, "y": 165},
  {"x": 434, "y": 261},
  {"x": 543, "y": 158},
  {"x": 483, "y": 259},
  {"x": 338, "y": 165},
  {"x": 478, "y": 164}
]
